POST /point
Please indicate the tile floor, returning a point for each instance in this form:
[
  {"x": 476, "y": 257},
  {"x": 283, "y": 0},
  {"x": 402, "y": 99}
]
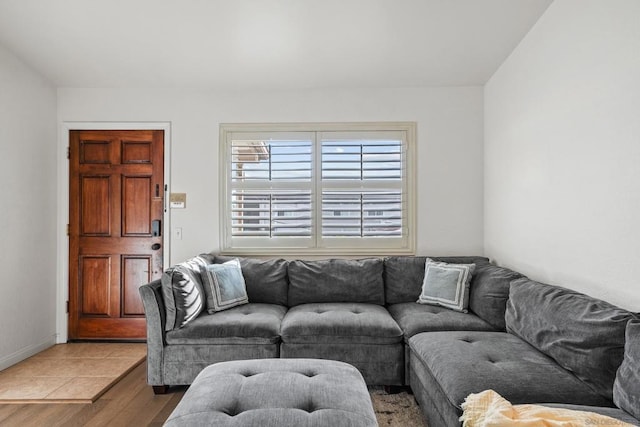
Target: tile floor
[{"x": 75, "y": 372}]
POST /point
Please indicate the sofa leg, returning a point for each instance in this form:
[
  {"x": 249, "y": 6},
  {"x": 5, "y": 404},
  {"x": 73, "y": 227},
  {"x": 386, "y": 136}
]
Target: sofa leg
[{"x": 160, "y": 389}]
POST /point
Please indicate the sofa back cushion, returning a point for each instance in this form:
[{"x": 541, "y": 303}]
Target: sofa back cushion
[
  {"x": 582, "y": 334},
  {"x": 626, "y": 388},
  {"x": 489, "y": 292},
  {"x": 403, "y": 275},
  {"x": 265, "y": 279},
  {"x": 336, "y": 280}
]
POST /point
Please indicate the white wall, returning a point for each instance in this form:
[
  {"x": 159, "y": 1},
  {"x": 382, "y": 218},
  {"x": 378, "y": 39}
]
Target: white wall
[
  {"x": 28, "y": 211},
  {"x": 562, "y": 151},
  {"x": 450, "y": 170}
]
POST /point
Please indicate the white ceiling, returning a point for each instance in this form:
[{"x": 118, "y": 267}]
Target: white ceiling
[{"x": 266, "y": 44}]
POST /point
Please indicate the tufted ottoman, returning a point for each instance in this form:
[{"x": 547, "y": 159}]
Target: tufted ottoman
[{"x": 276, "y": 392}]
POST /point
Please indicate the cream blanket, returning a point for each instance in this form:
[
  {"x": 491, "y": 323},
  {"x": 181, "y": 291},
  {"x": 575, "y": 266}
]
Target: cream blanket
[{"x": 489, "y": 409}]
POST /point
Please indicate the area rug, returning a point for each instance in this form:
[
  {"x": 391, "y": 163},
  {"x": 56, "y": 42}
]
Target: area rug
[
  {"x": 69, "y": 373},
  {"x": 396, "y": 409}
]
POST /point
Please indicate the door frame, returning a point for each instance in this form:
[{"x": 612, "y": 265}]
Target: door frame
[{"x": 62, "y": 256}]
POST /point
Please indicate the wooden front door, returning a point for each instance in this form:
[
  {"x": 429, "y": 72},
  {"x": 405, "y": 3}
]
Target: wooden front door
[{"x": 116, "y": 211}]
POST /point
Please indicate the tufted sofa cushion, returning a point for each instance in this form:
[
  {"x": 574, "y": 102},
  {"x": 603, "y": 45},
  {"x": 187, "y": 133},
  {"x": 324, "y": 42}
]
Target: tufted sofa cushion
[
  {"x": 584, "y": 335},
  {"x": 251, "y": 323},
  {"x": 470, "y": 362},
  {"x": 415, "y": 318},
  {"x": 336, "y": 280},
  {"x": 276, "y": 392},
  {"x": 340, "y": 323}
]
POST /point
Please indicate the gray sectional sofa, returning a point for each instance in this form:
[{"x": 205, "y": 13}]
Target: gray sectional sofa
[{"x": 530, "y": 342}]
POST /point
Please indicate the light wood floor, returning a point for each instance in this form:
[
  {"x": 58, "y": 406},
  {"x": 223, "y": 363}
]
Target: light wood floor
[{"x": 130, "y": 402}]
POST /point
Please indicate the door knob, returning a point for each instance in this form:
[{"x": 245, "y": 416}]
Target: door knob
[{"x": 156, "y": 246}]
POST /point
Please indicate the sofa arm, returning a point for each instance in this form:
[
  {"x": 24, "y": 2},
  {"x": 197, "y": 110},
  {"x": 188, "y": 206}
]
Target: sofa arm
[{"x": 154, "y": 310}]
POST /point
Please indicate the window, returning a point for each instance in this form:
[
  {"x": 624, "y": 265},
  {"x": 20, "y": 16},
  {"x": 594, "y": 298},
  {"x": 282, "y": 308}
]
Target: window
[{"x": 344, "y": 188}]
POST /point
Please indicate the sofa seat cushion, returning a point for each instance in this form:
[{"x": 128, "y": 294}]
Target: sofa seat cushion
[
  {"x": 616, "y": 413},
  {"x": 379, "y": 364},
  {"x": 470, "y": 362},
  {"x": 415, "y": 318},
  {"x": 252, "y": 323},
  {"x": 334, "y": 323}
]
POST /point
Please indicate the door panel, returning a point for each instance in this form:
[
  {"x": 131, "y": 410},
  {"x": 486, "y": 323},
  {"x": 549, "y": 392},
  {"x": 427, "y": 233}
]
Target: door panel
[
  {"x": 135, "y": 270},
  {"x": 95, "y": 152},
  {"x": 95, "y": 206},
  {"x": 136, "y": 206},
  {"x": 95, "y": 282},
  {"x": 116, "y": 181},
  {"x": 136, "y": 152}
]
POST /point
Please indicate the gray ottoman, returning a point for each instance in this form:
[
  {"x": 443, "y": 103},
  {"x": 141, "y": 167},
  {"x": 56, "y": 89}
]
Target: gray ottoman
[{"x": 275, "y": 393}]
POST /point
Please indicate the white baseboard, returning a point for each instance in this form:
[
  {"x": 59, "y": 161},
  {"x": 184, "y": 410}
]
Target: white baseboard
[{"x": 27, "y": 352}]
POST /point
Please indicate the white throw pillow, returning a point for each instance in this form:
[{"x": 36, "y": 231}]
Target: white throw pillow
[
  {"x": 224, "y": 286},
  {"x": 446, "y": 285}
]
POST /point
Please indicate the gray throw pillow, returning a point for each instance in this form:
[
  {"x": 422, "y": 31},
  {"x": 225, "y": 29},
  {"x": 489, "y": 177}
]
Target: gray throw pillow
[
  {"x": 182, "y": 292},
  {"x": 626, "y": 388},
  {"x": 446, "y": 285},
  {"x": 224, "y": 286}
]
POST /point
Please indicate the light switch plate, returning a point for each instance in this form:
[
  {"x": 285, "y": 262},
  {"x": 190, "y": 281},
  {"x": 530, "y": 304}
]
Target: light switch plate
[{"x": 177, "y": 233}]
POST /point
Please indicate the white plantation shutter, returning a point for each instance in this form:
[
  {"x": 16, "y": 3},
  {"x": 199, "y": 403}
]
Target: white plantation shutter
[
  {"x": 362, "y": 184},
  {"x": 269, "y": 199},
  {"x": 271, "y": 160},
  {"x": 270, "y": 214},
  {"x": 317, "y": 188},
  {"x": 361, "y": 214},
  {"x": 346, "y": 158}
]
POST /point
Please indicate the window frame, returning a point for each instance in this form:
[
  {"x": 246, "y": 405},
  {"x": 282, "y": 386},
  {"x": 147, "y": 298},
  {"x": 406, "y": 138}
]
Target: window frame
[{"x": 317, "y": 245}]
